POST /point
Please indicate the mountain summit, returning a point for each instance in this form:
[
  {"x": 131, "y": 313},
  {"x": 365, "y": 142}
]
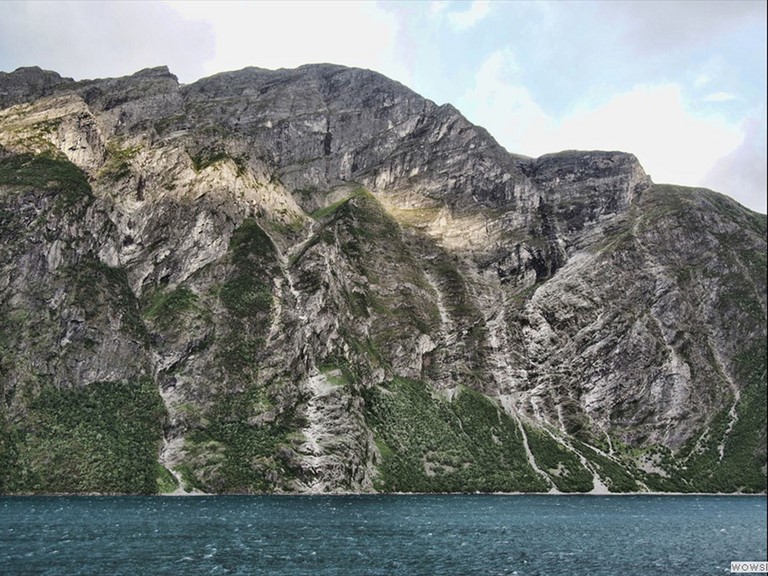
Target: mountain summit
[{"x": 315, "y": 280}]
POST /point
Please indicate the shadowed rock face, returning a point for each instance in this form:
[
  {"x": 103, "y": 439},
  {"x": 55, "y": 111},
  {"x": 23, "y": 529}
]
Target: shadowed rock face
[
  {"x": 27, "y": 84},
  {"x": 316, "y": 280}
]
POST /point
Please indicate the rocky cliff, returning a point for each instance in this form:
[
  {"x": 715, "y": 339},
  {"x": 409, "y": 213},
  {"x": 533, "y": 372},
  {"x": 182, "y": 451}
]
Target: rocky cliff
[{"x": 316, "y": 280}]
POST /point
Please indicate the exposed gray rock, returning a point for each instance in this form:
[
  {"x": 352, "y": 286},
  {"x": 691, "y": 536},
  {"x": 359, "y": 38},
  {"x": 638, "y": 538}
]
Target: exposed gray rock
[
  {"x": 272, "y": 250},
  {"x": 27, "y": 84}
]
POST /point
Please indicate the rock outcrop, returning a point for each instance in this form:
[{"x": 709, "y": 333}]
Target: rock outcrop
[{"x": 316, "y": 280}]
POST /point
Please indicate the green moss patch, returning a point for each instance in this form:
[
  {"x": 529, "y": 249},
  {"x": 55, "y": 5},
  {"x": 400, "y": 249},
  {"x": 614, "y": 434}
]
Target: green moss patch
[
  {"x": 117, "y": 164},
  {"x": 46, "y": 172},
  {"x": 166, "y": 307},
  {"x": 247, "y": 297},
  {"x": 208, "y": 157}
]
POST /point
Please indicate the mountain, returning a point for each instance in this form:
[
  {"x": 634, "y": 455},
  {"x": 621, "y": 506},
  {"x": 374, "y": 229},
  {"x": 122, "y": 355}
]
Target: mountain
[{"x": 315, "y": 280}]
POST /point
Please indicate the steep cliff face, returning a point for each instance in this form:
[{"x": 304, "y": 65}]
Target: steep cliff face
[{"x": 316, "y": 280}]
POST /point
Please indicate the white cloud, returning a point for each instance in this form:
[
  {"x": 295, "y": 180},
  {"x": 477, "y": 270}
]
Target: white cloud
[
  {"x": 466, "y": 19},
  {"x": 719, "y": 97},
  {"x": 702, "y": 80},
  {"x": 742, "y": 174},
  {"x": 664, "y": 27},
  {"x": 101, "y": 39},
  {"x": 438, "y": 6},
  {"x": 289, "y": 34},
  {"x": 673, "y": 144},
  {"x": 505, "y": 108},
  {"x": 522, "y": 102}
]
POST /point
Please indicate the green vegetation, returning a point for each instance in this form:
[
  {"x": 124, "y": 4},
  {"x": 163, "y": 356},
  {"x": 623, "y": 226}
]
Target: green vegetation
[
  {"x": 326, "y": 211},
  {"x": 254, "y": 258},
  {"x": 419, "y": 439},
  {"x": 417, "y": 217},
  {"x": 497, "y": 444},
  {"x": 360, "y": 224},
  {"x": 11, "y": 226},
  {"x": 561, "y": 464},
  {"x": 48, "y": 126},
  {"x": 244, "y": 295},
  {"x": 365, "y": 219},
  {"x": 250, "y": 247},
  {"x": 166, "y": 482},
  {"x": 233, "y": 447},
  {"x": 291, "y": 227},
  {"x": 662, "y": 200},
  {"x": 470, "y": 325},
  {"x": 242, "y": 438},
  {"x": 614, "y": 474},
  {"x": 247, "y": 297},
  {"x": 207, "y": 157},
  {"x": 9, "y": 455},
  {"x": 744, "y": 448},
  {"x": 47, "y": 172},
  {"x": 429, "y": 444},
  {"x": 671, "y": 480},
  {"x": 618, "y": 237},
  {"x": 34, "y": 137},
  {"x": 165, "y": 125},
  {"x": 746, "y": 219},
  {"x": 99, "y": 288},
  {"x": 373, "y": 244},
  {"x": 699, "y": 465},
  {"x": 379, "y": 280},
  {"x": 338, "y": 376},
  {"x": 99, "y": 438},
  {"x": 117, "y": 164},
  {"x": 238, "y": 452},
  {"x": 166, "y": 307},
  {"x": 452, "y": 284}
]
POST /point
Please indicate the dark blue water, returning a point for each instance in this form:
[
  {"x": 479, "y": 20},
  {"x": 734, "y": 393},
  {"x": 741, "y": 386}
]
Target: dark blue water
[{"x": 388, "y": 535}]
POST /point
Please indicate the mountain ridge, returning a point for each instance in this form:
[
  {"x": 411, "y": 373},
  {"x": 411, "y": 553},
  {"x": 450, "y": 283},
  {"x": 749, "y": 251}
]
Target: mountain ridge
[{"x": 304, "y": 264}]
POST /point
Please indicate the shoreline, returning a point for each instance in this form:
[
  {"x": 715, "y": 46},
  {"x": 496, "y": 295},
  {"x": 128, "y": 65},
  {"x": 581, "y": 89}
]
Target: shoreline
[{"x": 177, "y": 494}]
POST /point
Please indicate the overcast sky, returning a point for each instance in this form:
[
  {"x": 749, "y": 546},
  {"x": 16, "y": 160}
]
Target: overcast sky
[{"x": 680, "y": 84}]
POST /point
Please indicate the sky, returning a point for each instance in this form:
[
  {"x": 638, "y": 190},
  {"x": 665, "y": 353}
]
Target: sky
[{"x": 680, "y": 84}]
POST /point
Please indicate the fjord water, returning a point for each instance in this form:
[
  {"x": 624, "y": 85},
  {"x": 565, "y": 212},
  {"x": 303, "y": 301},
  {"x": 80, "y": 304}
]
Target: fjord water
[{"x": 387, "y": 535}]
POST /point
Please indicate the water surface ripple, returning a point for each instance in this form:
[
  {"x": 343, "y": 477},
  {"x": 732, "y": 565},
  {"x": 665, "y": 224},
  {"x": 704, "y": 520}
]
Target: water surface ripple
[{"x": 386, "y": 535}]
